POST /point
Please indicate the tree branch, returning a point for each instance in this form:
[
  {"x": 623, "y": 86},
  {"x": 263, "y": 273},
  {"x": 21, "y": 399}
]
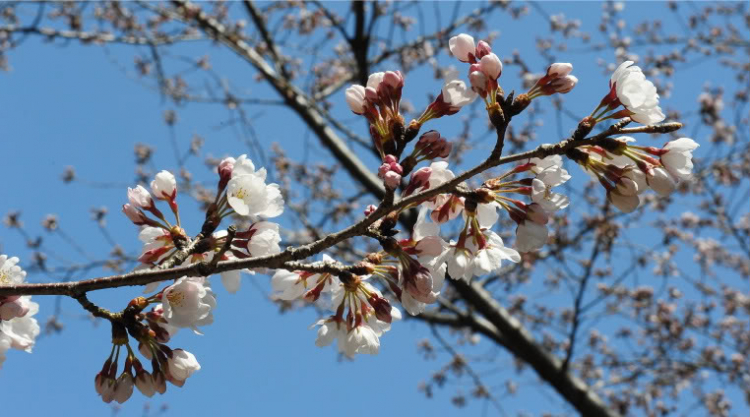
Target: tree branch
[
  {"x": 295, "y": 254},
  {"x": 522, "y": 344}
]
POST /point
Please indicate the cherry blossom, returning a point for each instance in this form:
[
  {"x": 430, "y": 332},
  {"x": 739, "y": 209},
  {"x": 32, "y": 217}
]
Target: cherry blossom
[
  {"x": 368, "y": 317},
  {"x": 630, "y": 88},
  {"x": 355, "y": 98},
  {"x": 189, "y": 303},
  {"x": 164, "y": 186},
  {"x": 181, "y": 364},
  {"x": 677, "y": 157},
  {"x": 462, "y": 47},
  {"x": 530, "y": 236},
  {"x": 249, "y": 195},
  {"x": 291, "y": 285}
]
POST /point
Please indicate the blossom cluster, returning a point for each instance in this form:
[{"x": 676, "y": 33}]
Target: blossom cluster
[
  {"x": 188, "y": 302},
  {"x": 410, "y": 270},
  {"x": 18, "y": 327}
]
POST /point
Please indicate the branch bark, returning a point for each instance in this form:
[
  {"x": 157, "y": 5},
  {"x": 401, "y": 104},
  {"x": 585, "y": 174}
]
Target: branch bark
[{"x": 522, "y": 344}]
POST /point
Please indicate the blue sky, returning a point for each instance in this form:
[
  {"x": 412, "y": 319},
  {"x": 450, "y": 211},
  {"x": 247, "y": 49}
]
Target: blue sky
[{"x": 79, "y": 106}]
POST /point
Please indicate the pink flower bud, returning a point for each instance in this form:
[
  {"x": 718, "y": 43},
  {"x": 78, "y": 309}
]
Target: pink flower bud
[
  {"x": 164, "y": 186},
  {"x": 371, "y": 95},
  {"x": 393, "y": 79},
  {"x": 160, "y": 382},
  {"x": 381, "y": 306},
  {"x": 483, "y": 48},
  {"x": 491, "y": 66},
  {"x": 445, "y": 149},
  {"x": 136, "y": 216},
  {"x": 428, "y": 138},
  {"x": 626, "y": 203},
  {"x": 140, "y": 197},
  {"x": 559, "y": 69},
  {"x": 145, "y": 383},
  {"x": 462, "y": 47},
  {"x": 123, "y": 388},
  {"x": 355, "y": 98},
  {"x": 226, "y": 166},
  {"x": 419, "y": 179},
  {"x": 12, "y": 309},
  {"x": 370, "y": 209},
  {"x": 564, "y": 84},
  {"x": 392, "y": 179},
  {"x": 418, "y": 282}
]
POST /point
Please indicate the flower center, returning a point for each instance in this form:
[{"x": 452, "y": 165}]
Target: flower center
[
  {"x": 4, "y": 277},
  {"x": 176, "y": 298}
]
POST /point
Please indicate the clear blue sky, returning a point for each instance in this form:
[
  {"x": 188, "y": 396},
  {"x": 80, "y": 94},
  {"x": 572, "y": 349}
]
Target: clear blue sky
[{"x": 80, "y": 106}]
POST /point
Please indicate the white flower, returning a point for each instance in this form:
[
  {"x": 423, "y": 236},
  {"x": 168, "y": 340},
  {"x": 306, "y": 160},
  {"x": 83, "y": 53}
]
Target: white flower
[
  {"x": 459, "y": 263},
  {"x": 289, "y": 285},
  {"x": 636, "y": 93},
  {"x": 678, "y": 157},
  {"x": 626, "y": 203},
  {"x": 660, "y": 181},
  {"x": 181, "y": 364},
  {"x": 530, "y": 236},
  {"x": 487, "y": 214},
  {"x": 140, "y": 197},
  {"x": 265, "y": 239},
  {"x": 541, "y": 189},
  {"x": 642, "y": 180},
  {"x": 559, "y": 69},
  {"x": 123, "y": 388},
  {"x": 374, "y": 80},
  {"x": 355, "y": 98},
  {"x": 189, "y": 303},
  {"x": 552, "y": 161},
  {"x": 144, "y": 381},
  {"x": 489, "y": 259},
  {"x": 164, "y": 186},
  {"x": 22, "y": 331},
  {"x": 250, "y": 195},
  {"x": 456, "y": 94},
  {"x": 328, "y": 331},
  {"x": 462, "y": 47},
  {"x": 361, "y": 339},
  {"x": 440, "y": 174},
  {"x": 10, "y": 273}
]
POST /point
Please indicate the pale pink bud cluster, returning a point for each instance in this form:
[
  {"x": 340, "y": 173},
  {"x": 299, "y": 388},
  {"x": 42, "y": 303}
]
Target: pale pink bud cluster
[
  {"x": 390, "y": 171},
  {"x": 164, "y": 187},
  {"x": 634, "y": 169},
  {"x": 431, "y": 146},
  {"x": 379, "y": 101},
  {"x": 557, "y": 79},
  {"x": 485, "y": 68}
]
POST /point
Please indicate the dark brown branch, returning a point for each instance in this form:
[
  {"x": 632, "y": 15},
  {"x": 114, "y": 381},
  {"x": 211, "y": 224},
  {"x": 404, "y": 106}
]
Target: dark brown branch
[
  {"x": 94, "y": 37},
  {"x": 523, "y": 345},
  {"x": 293, "y": 254},
  {"x": 296, "y": 99}
]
